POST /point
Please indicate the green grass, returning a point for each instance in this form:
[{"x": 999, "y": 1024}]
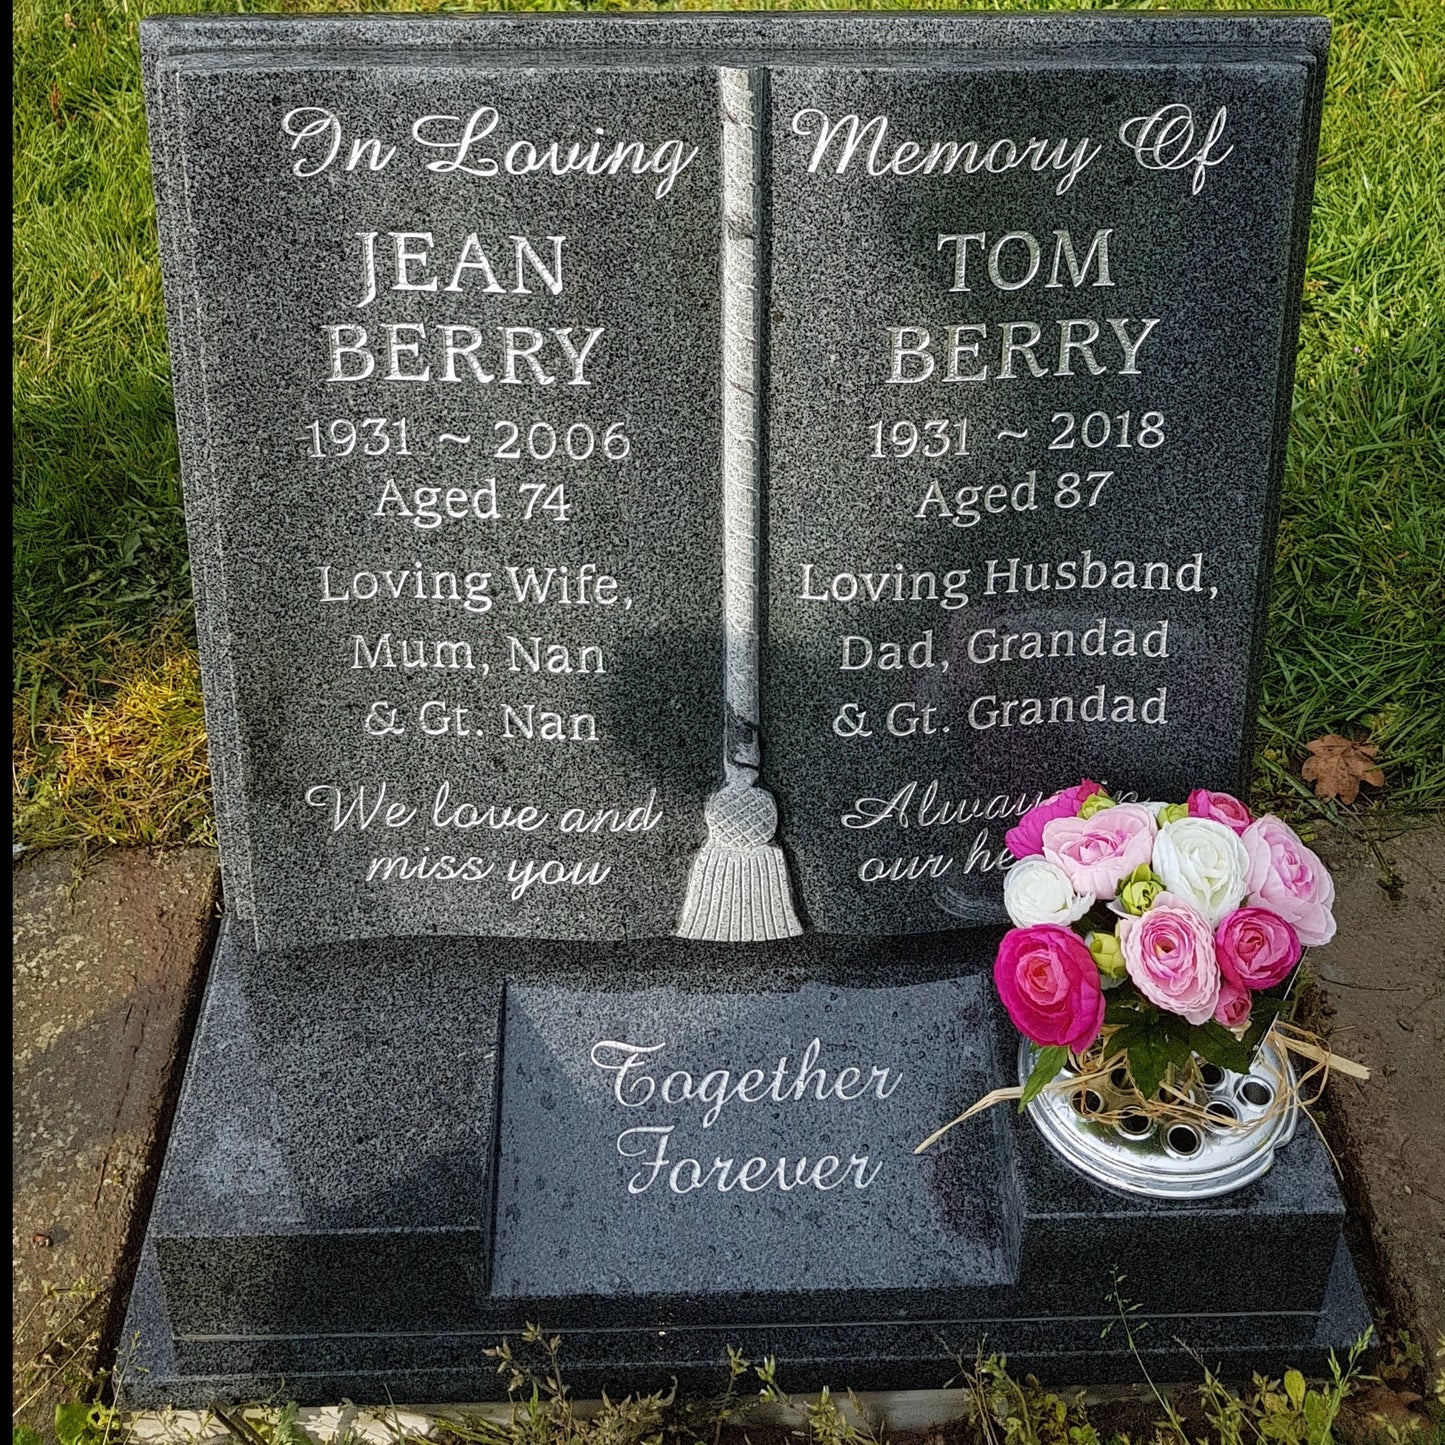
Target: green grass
[
  {"x": 1357, "y": 632},
  {"x": 99, "y": 540}
]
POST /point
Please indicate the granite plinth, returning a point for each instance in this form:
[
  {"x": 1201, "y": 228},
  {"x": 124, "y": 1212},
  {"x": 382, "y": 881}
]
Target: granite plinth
[
  {"x": 361, "y": 1259},
  {"x": 338, "y": 1129},
  {"x": 869, "y": 1353}
]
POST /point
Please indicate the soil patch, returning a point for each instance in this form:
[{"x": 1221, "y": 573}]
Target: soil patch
[{"x": 110, "y": 957}]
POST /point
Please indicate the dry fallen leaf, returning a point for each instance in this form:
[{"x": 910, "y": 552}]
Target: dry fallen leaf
[
  {"x": 1390, "y": 1407},
  {"x": 1337, "y": 767}
]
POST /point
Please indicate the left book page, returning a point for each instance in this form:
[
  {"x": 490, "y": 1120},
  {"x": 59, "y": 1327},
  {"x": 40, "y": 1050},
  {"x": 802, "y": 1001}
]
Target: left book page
[{"x": 446, "y": 342}]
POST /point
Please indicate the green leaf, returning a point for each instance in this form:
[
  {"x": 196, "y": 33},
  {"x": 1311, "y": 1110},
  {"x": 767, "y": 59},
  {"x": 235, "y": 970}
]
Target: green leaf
[
  {"x": 1254, "y": 1034},
  {"x": 1132, "y": 1035},
  {"x": 1319, "y": 1416},
  {"x": 1177, "y": 1039},
  {"x": 1214, "y": 1042},
  {"x": 1148, "y": 1062},
  {"x": 72, "y": 1420},
  {"x": 1263, "y": 1012},
  {"x": 1294, "y": 1387},
  {"x": 1045, "y": 1068},
  {"x": 24, "y": 1435},
  {"x": 1125, "y": 1010},
  {"x": 1262, "y": 1005}
]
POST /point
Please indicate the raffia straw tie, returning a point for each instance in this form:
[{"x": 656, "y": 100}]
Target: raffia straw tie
[
  {"x": 1309, "y": 1047},
  {"x": 996, "y": 1096}
]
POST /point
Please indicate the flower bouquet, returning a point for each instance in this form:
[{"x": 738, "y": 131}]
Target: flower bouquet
[{"x": 1153, "y": 942}]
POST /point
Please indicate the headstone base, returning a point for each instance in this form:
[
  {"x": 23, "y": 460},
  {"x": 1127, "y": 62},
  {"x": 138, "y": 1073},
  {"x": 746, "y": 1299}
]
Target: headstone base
[
  {"x": 867, "y": 1354},
  {"x": 388, "y": 1156}
]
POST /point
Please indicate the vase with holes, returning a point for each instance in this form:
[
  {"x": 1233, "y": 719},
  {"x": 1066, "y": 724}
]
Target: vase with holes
[
  {"x": 1207, "y": 1131},
  {"x": 1149, "y": 973}
]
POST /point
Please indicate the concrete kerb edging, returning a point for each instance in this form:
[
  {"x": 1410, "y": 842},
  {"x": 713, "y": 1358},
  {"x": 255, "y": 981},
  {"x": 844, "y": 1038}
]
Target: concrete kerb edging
[{"x": 110, "y": 958}]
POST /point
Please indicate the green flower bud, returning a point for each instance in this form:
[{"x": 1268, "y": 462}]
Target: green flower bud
[
  {"x": 1107, "y": 955},
  {"x": 1172, "y": 814},
  {"x": 1095, "y": 803},
  {"x": 1140, "y": 889}
]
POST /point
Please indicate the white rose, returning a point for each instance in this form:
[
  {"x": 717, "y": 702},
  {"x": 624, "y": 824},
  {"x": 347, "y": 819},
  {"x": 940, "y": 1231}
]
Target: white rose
[
  {"x": 1037, "y": 891},
  {"x": 1204, "y": 863}
]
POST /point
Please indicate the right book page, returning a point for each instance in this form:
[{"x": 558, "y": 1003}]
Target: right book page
[{"x": 1029, "y": 333}]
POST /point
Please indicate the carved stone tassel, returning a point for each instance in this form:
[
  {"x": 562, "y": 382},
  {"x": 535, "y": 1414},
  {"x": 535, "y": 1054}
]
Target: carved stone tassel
[{"x": 739, "y": 891}]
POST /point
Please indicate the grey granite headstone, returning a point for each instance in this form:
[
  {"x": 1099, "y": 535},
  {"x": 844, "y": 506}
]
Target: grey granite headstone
[
  {"x": 1030, "y": 352},
  {"x": 626, "y": 1002}
]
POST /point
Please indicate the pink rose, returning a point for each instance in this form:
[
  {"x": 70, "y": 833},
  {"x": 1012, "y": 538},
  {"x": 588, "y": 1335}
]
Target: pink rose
[
  {"x": 1048, "y": 983},
  {"x": 1256, "y": 948},
  {"x": 1285, "y": 877},
  {"x": 1098, "y": 853},
  {"x": 1026, "y": 837},
  {"x": 1232, "y": 1010},
  {"x": 1221, "y": 808},
  {"x": 1169, "y": 955}
]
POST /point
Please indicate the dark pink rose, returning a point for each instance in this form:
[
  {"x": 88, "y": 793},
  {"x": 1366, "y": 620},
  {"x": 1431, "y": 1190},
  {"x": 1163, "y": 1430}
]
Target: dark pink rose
[
  {"x": 1256, "y": 948},
  {"x": 1221, "y": 808},
  {"x": 1288, "y": 879},
  {"x": 1169, "y": 955},
  {"x": 1026, "y": 837},
  {"x": 1233, "y": 1007},
  {"x": 1047, "y": 980}
]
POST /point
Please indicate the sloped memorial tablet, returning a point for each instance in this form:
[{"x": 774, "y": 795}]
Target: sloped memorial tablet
[
  {"x": 1032, "y": 334},
  {"x": 451, "y": 373},
  {"x": 718, "y": 1121}
]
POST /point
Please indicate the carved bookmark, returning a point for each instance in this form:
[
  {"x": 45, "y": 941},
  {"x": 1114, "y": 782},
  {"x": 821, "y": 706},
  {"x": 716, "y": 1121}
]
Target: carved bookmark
[{"x": 739, "y": 891}]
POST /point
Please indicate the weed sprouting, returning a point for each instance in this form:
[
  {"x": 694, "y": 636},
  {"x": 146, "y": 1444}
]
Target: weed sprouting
[
  {"x": 994, "y": 1407},
  {"x": 1125, "y": 1310},
  {"x": 544, "y": 1413},
  {"x": 823, "y": 1421},
  {"x": 1290, "y": 1412},
  {"x": 1005, "y": 1411}
]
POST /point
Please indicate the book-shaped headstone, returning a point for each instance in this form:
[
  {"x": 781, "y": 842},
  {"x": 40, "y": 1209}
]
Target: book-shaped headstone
[{"x": 664, "y": 494}]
